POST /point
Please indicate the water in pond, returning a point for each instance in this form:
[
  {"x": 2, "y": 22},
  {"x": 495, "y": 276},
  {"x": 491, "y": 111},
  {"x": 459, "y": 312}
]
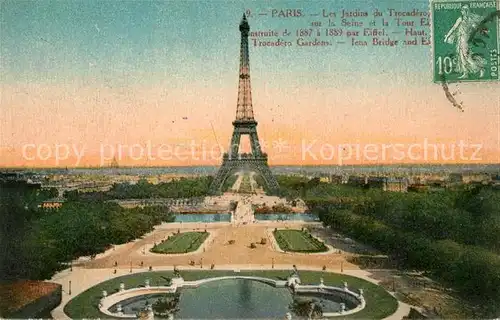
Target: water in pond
[
  {"x": 287, "y": 216},
  {"x": 226, "y": 217},
  {"x": 233, "y": 298},
  {"x": 202, "y": 217}
]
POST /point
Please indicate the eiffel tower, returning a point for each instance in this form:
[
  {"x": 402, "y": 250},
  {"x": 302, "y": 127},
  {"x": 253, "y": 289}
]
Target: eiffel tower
[{"x": 244, "y": 124}]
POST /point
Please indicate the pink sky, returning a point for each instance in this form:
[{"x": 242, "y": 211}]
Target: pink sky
[{"x": 90, "y": 118}]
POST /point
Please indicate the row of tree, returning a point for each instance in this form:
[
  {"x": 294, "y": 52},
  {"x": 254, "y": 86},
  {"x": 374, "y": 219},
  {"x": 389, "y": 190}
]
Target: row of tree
[
  {"x": 472, "y": 270},
  {"x": 454, "y": 235},
  {"x": 39, "y": 242},
  {"x": 469, "y": 216},
  {"x": 466, "y": 215},
  {"x": 178, "y": 188},
  {"x": 292, "y": 187}
]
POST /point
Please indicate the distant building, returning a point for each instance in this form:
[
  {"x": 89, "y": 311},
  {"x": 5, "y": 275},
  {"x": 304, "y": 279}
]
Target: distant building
[
  {"x": 376, "y": 182},
  {"x": 416, "y": 180},
  {"x": 357, "y": 181},
  {"x": 18, "y": 181},
  {"x": 482, "y": 178},
  {"x": 456, "y": 178},
  {"x": 10, "y": 176},
  {"x": 383, "y": 183},
  {"x": 396, "y": 184},
  {"x": 435, "y": 183},
  {"x": 417, "y": 187},
  {"x": 153, "y": 179},
  {"x": 336, "y": 179},
  {"x": 495, "y": 181},
  {"x": 324, "y": 179}
]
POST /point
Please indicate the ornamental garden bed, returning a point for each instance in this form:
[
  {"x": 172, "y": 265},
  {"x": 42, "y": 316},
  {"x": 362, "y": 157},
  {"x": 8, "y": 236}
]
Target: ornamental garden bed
[
  {"x": 298, "y": 241},
  {"x": 181, "y": 243}
]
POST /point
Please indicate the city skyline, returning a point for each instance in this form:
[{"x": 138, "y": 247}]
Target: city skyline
[{"x": 108, "y": 73}]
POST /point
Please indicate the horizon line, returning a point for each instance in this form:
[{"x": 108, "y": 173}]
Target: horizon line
[{"x": 280, "y": 165}]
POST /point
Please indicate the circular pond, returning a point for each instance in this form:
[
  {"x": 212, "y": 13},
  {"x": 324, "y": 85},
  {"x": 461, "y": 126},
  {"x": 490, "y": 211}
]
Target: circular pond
[{"x": 235, "y": 298}]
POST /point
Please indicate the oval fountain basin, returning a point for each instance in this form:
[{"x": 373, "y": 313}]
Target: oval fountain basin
[{"x": 236, "y": 299}]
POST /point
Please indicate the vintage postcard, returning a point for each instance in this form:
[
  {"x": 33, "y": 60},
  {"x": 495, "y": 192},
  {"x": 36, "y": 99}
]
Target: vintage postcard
[{"x": 165, "y": 159}]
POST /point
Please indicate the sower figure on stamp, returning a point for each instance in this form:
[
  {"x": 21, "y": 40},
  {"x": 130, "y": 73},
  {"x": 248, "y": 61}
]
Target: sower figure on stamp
[{"x": 459, "y": 34}]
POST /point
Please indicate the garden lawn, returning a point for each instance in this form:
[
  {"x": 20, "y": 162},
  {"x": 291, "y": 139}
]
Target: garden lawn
[
  {"x": 181, "y": 243},
  {"x": 298, "y": 241}
]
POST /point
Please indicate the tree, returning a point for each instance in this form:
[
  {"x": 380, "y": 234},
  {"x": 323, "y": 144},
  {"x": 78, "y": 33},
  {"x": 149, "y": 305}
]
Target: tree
[
  {"x": 17, "y": 212},
  {"x": 71, "y": 195},
  {"x": 49, "y": 193}
]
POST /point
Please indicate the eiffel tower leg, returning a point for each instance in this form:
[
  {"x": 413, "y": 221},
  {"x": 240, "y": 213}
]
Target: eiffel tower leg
[
  {"x": 258, "y": 165},
  {"x": 235, "y": 144},
  {"x": 219, "y": 179},
  {"x": 254, "y": 140},
  {"x": 268, "y": 177}
]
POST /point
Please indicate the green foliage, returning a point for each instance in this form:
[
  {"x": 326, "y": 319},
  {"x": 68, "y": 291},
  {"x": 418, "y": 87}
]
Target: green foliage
[
  {"x": 314, "y": 192},
  {"x": 472, "y": 270},
  {"x": 179, "y": 188},
  {"x": 261, "y": 182},
  {"x": 291, "y": 186},
  {"x": 49, "y": 193},
  {"x": 229, "y": 182},
  {"x": 453, "y": 234},
  {"x": 42, "y": 242},
  {"x": 465, "y": 216},
  {"x": 71, "y": 195},
  {"x": 18, "y": 212},
  {"x": 246, "y": 186}
]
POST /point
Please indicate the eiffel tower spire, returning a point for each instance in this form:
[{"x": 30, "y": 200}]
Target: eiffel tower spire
[
  {"x": 244, "y": 109},
  {"x": 244, "y": 124}
]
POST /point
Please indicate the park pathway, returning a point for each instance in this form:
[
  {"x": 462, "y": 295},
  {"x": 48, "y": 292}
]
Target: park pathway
[
  {"x": 244, "y": 212},
  {"x": 253, "y": 183}
]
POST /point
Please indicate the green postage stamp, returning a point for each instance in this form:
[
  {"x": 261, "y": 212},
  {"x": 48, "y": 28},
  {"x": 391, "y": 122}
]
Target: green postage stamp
[{"x": 465, "y": 40}]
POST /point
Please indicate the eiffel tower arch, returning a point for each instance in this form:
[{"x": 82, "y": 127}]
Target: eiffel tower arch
[{"x": 244, "y": 124}]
